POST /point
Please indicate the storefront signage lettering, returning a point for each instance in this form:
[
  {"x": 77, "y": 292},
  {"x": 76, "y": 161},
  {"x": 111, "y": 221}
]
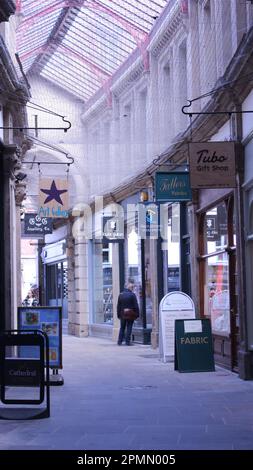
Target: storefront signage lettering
[
  {"x": 194, "y": 340},
  {"x": 36, "y": 225},
  {"x": 113, "y": 228},
  {"x": 174, "y": 186},
  {"x": 148, "y": 222},
  {"x": 53, "y": 198},
  {"x": 22, "y": 372},
  {"x": 212, "y": 165},
  {"x": 211, "y": 228}
]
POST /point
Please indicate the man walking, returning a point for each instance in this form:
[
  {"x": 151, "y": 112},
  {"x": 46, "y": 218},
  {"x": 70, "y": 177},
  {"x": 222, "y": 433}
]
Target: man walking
[{"x": 127, "y": 311}]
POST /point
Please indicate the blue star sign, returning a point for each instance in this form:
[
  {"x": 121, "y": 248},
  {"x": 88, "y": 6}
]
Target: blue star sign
[{"x": 54, "y": 193}]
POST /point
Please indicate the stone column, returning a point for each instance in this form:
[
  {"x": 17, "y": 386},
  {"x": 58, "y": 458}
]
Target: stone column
[
  {"x": 20, "y": 194},
  {"x": 209, "y": 66},
  {"x": 152, "y": 110},
  {"x": 8, "y": 248},
  {"x": 98, "y": 283},
  {"x": 226, "y": 22},
  {"x": 238, "y": 22},
  {"x": 193, "y": 229},
  {"x": 71, "y": 283},
  {"x": 193, "y": 59},
  {"x": 115, "y": 146},
  {"x": 80, "y": 327},
  {"x": 115, "y": 289},
  {"x": 154, "y": 293}
]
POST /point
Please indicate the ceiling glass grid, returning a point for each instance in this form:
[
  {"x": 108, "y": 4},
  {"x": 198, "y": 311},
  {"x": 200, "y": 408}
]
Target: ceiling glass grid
[
  {"x": 127, "y": 48},
  {"x": 53, "y": 77},
  {"x": 74, "y": 69},
  {"x": 34, "y": 31},
  {"x": 80, "y": 44},
  {"x": 70, "y": 73},
  {"x": 85, "y": 40}
]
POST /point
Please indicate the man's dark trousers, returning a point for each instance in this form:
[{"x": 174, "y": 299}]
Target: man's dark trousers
[{"x": 128, "y": 325}]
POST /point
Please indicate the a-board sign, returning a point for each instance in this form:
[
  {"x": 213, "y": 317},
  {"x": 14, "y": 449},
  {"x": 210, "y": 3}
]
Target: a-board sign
[
  {"x": 49, "y": 320},
  {"x": 193, "y": 346},
  {"x": 175, "y": 305},
  {"x": 17, "y": 373}
]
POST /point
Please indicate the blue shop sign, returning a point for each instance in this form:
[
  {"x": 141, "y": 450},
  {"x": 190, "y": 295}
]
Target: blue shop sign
[{"x": 174, "y": 186}]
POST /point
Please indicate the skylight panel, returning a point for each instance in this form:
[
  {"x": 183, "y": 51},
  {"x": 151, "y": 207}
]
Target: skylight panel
[{"x": 88, "y": 45}]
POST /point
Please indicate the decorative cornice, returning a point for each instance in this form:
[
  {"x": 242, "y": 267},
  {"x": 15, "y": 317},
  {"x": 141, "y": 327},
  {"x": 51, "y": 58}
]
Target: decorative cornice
[
  {"x": 132, "y": 69},
  {"x": 20, "y": 192},
  {"x": 11, "y": 157},
  {"x": 11, "y": 86},
  {"x": 166, "y": 36},
  {"x": 203, "y": 126},
  {"x": 7, "y": 8},
  {"x": 10, "y": 81}
]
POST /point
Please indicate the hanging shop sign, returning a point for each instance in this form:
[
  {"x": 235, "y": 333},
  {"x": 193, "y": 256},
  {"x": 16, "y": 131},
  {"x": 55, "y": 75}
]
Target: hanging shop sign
[
  {"x": 36, "y": 225},
  {"x": 54, "y": 252},
  {"x": 193, "y": 346},
  {"x": 148, "y": 222},
  {"x": 113, "y": 229},
  {"x": 174, "y": 186},
  {"x": 174, "y": 306},
  {"x": 53, "y": 198},
  {"x": 212, "y": 165}
]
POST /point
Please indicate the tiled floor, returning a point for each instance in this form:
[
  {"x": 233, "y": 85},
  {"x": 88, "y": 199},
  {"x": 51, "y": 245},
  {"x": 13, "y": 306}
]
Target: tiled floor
[{"x": 126, "y": 398}]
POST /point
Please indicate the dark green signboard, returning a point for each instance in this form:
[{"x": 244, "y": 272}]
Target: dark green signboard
[
  {"x": 174, "y": 186},
  {"x": 193, "y": 346}
]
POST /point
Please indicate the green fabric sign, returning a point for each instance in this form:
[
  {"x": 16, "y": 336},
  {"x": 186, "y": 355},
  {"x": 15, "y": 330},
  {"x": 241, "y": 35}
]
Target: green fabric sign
[{"x": 193, "y": 346}]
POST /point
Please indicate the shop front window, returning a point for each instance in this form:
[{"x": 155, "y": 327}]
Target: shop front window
[
  {"x": 216, "y": 293},
  {"x": 133, "y": 268},
  {"x": 215, "y": 229},
  {"x": 102, "y": 281},
  {"x": 57, "y": 286},
  {"x": 234, "y": 229},
  {"x": 171, "y": 250},
  {"x": 148, "y": 296},
  {"x": 216, "y": 285}
]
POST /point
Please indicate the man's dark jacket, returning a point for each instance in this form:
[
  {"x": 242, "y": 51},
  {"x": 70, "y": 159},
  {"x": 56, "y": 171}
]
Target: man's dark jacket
[{"x": 127, "y": 299}]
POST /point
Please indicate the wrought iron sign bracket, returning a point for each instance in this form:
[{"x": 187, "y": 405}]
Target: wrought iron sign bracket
[
  {"x": 50, "y": 163},
  {"x": 192, "y": 113},
  {"x": 21, "y": 128}
]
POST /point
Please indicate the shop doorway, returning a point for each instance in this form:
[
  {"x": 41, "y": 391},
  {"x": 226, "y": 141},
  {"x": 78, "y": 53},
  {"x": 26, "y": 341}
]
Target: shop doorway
[
  {"x": 57, "y": 286},
  {"x": 137, "y": 267},
  {"x": 218, "y": 280}
]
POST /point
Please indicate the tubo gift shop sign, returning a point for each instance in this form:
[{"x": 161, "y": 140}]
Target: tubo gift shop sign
[
  {"x": 212, "y": 165},
  {"x": 174, "y": 186}
]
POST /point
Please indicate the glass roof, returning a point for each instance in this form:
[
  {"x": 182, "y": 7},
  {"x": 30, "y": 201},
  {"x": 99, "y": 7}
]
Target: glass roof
[{"x": 79, "y": 44}]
